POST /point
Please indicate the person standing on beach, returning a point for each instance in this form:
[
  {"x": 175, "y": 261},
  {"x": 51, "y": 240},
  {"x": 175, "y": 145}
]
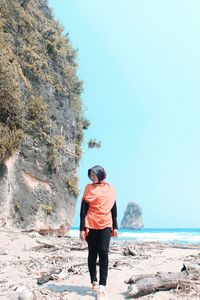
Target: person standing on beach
[{"x": 98, "y": 221}]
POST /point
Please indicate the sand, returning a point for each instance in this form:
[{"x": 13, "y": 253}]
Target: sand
[{"x": 25, "y": 257}]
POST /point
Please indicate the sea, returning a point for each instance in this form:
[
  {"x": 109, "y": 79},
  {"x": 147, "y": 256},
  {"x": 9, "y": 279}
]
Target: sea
[{"x": 167, "y": 235}]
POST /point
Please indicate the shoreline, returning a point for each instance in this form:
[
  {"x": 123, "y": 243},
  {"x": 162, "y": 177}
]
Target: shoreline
[
  {"x": 166, "y": 235},
  {"x": 27, "y": 257}
]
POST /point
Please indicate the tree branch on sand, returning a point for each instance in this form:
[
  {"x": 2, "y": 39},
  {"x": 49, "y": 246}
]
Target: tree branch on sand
[{"x": 147, "y": 283}]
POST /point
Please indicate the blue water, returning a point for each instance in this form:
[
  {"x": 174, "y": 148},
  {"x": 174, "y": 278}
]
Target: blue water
[{"x": 168, "y": 235}]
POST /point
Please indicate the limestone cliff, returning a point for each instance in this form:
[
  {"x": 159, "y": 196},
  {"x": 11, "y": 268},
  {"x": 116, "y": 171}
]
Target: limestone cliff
[
  {"x": 41, "y": 120},
  {"x": 132, "y": 218}
]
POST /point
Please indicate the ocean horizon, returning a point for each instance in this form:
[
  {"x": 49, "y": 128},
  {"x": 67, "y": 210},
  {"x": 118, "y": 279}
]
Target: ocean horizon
[{"x": 167, "y": 235}]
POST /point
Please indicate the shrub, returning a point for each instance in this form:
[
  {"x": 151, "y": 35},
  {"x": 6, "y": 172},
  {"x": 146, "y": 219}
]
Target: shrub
[
  {"x": 86, "y": 123},
  {"x": 37, "y": 113},
  {"x": 9, "y": 141},
  {"x": 72, "y": 185},
  {"x": 56, "y": 143},
  {"x": 48, "y": 209},
  {"x": 35, "y": 53},
  {"x": 94, "y": 144},
  {"x": 12, "y": 108}
]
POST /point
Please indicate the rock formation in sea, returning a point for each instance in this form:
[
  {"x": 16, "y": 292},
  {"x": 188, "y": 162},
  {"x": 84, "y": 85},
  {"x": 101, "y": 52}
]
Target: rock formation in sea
[
  {"x": 132, "y": 218},
  {"x": 41, "y": 118}
]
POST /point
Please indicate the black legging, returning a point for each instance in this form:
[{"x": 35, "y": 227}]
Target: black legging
[{"x": 98, "y": 244}]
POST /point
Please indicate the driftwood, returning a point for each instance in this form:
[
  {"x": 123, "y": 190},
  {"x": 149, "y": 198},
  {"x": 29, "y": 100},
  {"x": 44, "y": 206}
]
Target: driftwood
[
  {"x": 128, "y": 251},
  {"x": 59, "y": 273},
  {"x": 115, "y": 251},
  {"x": 78, "y": 248},
  {"x": 62, "y": 231},
  {"x": 44, "y": 246},
  {"x": 180, "y": 246},
  {"x": 45, "y": 278},
  {"x": 147, "y": 284},
  {"x": 51, "y": 247},
  {"x": 123, "y": 250}
]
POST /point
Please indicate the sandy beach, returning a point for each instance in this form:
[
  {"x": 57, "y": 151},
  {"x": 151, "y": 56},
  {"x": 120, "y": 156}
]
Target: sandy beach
[{"x": 49, "y": 267}]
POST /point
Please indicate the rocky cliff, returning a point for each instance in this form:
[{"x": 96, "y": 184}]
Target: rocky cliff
[
  {"x": 132, "y": 218},
  {"x": 41, "y": 120}
]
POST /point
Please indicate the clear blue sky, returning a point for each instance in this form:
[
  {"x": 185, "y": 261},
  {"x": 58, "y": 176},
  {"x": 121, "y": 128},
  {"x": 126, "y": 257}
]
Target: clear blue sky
[{"x": 140, "y": 63}]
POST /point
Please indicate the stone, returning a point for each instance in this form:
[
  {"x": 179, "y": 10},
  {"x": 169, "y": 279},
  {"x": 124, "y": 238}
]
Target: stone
[
  {"x": 24, "y": 293},
  {"x": 132, "y": 218}
]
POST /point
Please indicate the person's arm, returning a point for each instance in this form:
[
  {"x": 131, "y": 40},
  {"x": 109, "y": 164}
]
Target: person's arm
[
  {"x": 83, "y": 212},
  {"x": 114, "y": 219}
]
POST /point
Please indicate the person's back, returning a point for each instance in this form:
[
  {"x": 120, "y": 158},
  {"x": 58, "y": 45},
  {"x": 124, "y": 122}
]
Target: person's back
[{"x": 101, "y": 198}]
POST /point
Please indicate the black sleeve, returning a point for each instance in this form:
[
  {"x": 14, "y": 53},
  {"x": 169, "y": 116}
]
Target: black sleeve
[
  {"x": 83, "y": 212},
  {"x": 114, "y": 216}
]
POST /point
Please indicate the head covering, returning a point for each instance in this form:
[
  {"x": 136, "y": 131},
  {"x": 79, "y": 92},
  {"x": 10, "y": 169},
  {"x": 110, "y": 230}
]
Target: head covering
[{"x": 99, "y": 171}]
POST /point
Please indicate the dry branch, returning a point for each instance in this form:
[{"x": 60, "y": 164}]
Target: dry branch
[
  {"x": 147, "y": 284},
  {"x": 128, "y": 251}
]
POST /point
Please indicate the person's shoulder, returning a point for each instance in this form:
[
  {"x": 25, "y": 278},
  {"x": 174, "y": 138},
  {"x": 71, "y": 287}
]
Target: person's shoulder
[
  {"x": 110, "y": 186},
  {"x": 87, "y": 190},
  {"x": 88, "y": 186}
]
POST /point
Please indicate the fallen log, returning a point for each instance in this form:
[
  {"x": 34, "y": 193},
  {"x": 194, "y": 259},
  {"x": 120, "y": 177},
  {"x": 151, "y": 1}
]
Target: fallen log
[
  {"x": 44, "y": 246},
  {"x": 147, "y": 284},
  {"x": 59, "y": 232},
  {"x": 54, "y": 248},
  {"x": 180, "y": 246},
  {"x": 78, "y": 248},
  {"x": 62, "y": 231}
]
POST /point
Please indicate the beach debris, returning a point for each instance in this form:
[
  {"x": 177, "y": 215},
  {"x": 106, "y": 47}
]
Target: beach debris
[
  {"x": 3, "y": 252},
  {"x": 183, "y": 246},
  {"x": 147, "y": 284},
  {"x": 62, "y": 231},
  {"x": 54, "y": 261},
  {"x": 183, "y": 268},
  {"x": 128, "y": 251},
  {"x": 3, "y": 221},
  {"x": 79, "y": 247},
  {"x": 45, "y": 246},
  {"x": 60, "y": 276},
  {"x": 47, "y": 277},
  {"x": 24, "y": 293},
  {"x": 151, "y": 283},
  {"x": 116, "y": 264}
]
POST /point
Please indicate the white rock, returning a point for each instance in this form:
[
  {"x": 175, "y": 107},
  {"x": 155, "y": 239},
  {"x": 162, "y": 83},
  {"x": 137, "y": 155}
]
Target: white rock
[
  {"x": 24, "y": 293},
  {"x": 34, "y": 234}
]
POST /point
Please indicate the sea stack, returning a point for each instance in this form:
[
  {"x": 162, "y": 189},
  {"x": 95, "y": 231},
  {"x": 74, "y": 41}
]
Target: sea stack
[{"x": 132, "y": 218}]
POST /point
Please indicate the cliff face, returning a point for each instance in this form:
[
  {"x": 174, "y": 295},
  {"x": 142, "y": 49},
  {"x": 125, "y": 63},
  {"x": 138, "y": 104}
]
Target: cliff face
[
  {"x": 41, "y": 118},
  {"x": 132, "y": 218}
]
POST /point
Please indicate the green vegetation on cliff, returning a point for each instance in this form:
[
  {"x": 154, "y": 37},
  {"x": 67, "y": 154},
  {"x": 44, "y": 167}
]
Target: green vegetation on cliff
[{"x": 35, "y": 59}]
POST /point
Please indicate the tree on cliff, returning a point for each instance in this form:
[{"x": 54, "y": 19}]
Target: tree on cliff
[{"x": 132, "y": 218}]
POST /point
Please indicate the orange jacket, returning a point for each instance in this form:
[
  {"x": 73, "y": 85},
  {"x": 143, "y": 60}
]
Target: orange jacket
[{"x": 101, "y": 198}]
